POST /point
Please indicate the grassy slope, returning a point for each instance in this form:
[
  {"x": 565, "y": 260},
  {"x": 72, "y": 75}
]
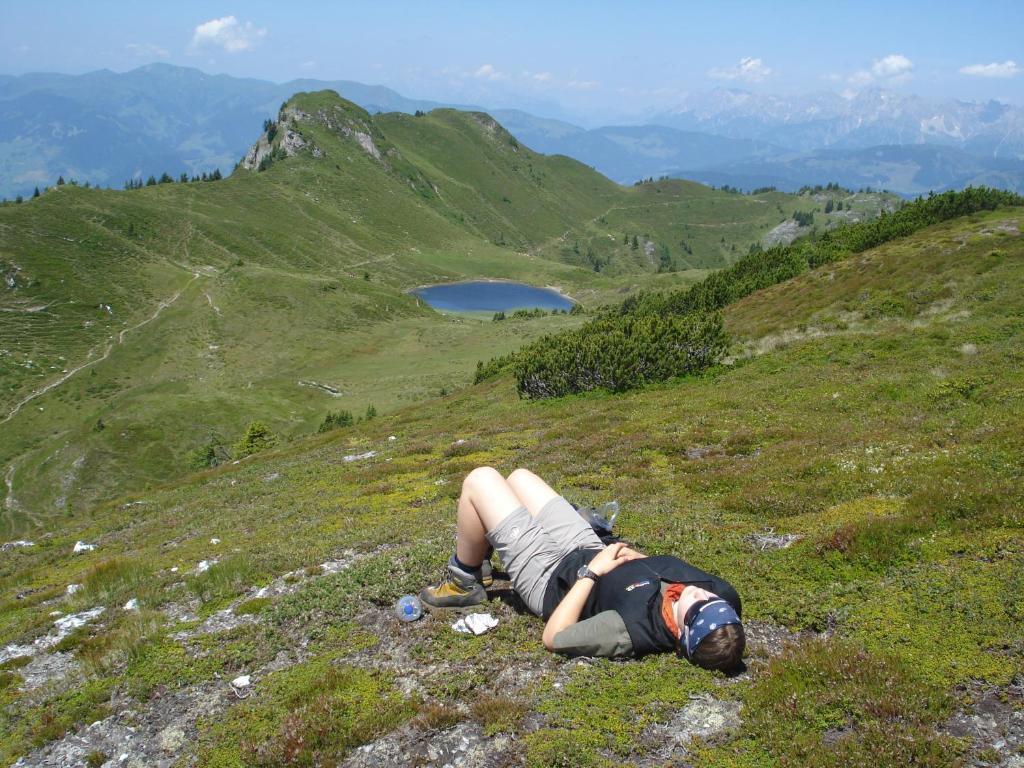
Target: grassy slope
[
  {"x": 262, "y": 278},
  {"x": 878, "y": 416}
]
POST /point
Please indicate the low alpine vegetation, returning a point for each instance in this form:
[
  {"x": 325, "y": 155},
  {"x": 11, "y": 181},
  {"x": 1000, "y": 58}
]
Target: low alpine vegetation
[{"x": 653, "y": 337}]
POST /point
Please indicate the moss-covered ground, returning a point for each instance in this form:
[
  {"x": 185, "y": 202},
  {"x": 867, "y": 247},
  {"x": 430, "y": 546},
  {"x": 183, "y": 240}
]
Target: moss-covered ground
[{"x": 873, "y": 409}]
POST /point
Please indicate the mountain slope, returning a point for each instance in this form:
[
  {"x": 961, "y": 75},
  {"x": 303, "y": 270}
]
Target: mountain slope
[
  {"x": 139, "y": 325},
  {"x": 855, "y": 473}
]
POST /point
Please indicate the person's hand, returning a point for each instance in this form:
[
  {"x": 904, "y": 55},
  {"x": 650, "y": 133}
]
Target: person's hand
[
  {"x": 632, "y": 554},
  {"x": 611, "y": 557}
]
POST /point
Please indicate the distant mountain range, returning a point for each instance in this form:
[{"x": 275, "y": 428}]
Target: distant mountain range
[
  {"x": 871, "y": 117},
  {"x": 107, "y": 127}
]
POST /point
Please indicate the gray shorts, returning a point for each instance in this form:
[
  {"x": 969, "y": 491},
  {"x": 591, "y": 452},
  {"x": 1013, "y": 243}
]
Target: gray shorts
[{"x": 531, "y": 547}]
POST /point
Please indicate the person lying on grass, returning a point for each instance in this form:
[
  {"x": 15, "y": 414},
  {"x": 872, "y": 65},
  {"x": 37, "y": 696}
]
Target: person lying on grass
[{"x": 597, "y": 600}]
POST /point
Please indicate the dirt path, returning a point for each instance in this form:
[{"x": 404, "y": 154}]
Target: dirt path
[
  {"x": 106, "y": 353},
  {"x": 10, "y": 503}
]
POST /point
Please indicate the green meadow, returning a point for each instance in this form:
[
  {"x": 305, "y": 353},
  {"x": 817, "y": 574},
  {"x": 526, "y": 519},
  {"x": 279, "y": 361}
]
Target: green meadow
[
  {"x": 137, "y": 327},
  {"x": 854, "y": 468}
]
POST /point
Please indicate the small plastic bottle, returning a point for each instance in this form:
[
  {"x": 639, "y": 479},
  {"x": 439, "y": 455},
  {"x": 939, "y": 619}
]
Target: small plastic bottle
[
  {"x": 408, "y": 608},
  {"x": 609, "y": 511}
]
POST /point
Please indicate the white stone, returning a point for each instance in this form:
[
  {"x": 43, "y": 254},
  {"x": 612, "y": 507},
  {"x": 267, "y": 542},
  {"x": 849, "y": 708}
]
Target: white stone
[
  {"x": 132, "y": 605},
  {"x": 204, "y": 565},
  {"x": 66, "y": 624},
  {"x": 81, "y": 546},
  {"x": 72, "y": 588},
  {"x": 6, "y": 547},
  {"x": 215, "y": 540},
  {"x": 359, "y": 456},
  {"x": 242, "y": 681},
  {"x": 392, "y": 438}
]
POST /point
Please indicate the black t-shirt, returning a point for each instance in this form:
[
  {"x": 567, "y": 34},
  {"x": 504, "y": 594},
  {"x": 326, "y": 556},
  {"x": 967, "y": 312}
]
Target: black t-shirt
[{"x": 564, "y": 576}]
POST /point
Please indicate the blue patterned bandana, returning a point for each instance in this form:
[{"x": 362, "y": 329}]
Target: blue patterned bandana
[{"x": 712, "y": 615}]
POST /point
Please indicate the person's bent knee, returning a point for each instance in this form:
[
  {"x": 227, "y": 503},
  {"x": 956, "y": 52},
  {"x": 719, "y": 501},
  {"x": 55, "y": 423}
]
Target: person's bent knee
[
  {"x": 520, "y": 474},
  {"x": 479, "y": 477}
]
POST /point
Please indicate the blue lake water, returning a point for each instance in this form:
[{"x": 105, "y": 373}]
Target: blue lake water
[{"x": 487, "y": 296}]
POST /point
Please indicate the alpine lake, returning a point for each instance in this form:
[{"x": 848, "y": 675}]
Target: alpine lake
[{"x": 491, "y": 296}]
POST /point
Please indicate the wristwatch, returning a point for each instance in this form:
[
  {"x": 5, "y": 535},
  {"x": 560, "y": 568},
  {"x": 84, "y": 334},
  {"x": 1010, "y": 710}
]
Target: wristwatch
[{"x": 585, "y": 573}]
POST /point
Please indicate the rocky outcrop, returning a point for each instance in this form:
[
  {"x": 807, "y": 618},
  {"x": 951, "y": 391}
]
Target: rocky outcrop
[
  {"x": 289, "y": 141},
  {"x": 256, "y": 153}
]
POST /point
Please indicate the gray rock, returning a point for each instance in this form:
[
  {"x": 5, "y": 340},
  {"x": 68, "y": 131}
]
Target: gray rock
[
  {"x": 51, "y": 668},
  {"x": 171, "y": 739},
  {"x": 705, "y": 718},
  {"x": 464, "y": 745},
  {"x": 994, "y": 721}
]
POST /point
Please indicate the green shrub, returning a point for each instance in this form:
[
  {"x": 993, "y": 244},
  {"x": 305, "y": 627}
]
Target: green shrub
[
  {"x": 619, "y": 353},
  {"x": 258, "y": 437},
  {"x": 206, "y": 456},
  {"x": 336, "y": 421},
  {"x": 588, "y": 358}
]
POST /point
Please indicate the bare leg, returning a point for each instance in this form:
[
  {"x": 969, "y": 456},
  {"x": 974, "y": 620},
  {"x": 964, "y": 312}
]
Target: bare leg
[
  {"x": 486, "y": 500},
  {"x": 532, "y": 491}
]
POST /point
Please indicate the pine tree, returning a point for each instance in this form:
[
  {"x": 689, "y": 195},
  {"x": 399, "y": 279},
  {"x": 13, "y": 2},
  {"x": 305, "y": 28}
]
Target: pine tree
[
  {"x": 36, "y": 193},
  {"x": 60, "y": 181}
]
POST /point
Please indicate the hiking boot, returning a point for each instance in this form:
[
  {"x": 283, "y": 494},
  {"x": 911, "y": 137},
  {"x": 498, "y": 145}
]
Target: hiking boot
[
  {"x": 486, "y": 573},
  {"x": 458, "y": 590}
]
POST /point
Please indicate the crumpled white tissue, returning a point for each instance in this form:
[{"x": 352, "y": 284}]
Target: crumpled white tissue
[{"x": 475, "y": 624}]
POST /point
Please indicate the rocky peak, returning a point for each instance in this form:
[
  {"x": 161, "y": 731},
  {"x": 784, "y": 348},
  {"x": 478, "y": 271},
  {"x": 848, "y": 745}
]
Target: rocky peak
[{"x": 285, "y": 137}]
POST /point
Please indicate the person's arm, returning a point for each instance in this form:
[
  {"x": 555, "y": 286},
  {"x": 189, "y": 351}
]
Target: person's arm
[
  {"x": 602, "y": 635},
  {"x": 568, "y": 611}
]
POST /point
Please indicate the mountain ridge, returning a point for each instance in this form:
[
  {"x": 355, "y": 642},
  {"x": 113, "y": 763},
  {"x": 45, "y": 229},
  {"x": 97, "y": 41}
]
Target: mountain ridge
[{"x": 51, "y": 127}]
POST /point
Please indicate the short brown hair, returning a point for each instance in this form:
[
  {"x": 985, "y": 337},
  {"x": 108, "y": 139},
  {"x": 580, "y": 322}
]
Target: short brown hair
[{"x": 722, "y": 649}]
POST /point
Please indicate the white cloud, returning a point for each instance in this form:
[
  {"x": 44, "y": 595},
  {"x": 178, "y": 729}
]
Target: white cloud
[
  {"x": 1008, "y": 68},
  {"x": 894, "y": 68},
  {"x": 147, "y": 51},
  {"x": 308, "y": 64},
  {"x": 488, "y": 72},
  {"x": 893, "y": 65},
  {"x": 582, "y": 85},
  {"x": 543, "y": 77},
  {"x": 749, "y": 69},
  {"x": 227, "y": 33}
]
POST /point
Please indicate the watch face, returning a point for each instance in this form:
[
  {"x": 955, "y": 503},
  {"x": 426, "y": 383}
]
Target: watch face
[{"x": 583, "y": 572}]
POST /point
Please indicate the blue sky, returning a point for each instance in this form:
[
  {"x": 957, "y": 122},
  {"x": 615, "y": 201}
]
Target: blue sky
[{"x": 601, "y": 60}]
